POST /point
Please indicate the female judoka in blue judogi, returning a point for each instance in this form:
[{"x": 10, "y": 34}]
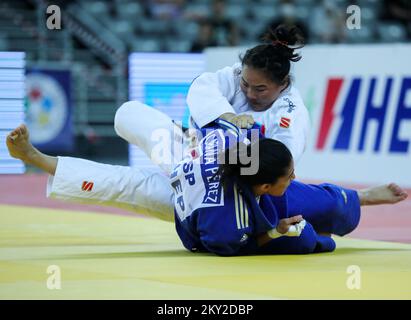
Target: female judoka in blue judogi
[{"x": 218, "y": 209}]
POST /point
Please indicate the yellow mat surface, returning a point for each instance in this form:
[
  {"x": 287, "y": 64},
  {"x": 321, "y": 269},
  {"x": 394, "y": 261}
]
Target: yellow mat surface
[{"x": 102, "y": 256}]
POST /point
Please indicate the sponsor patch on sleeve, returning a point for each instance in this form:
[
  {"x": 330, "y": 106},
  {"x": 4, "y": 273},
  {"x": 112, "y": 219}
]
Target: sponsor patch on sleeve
[
  {"x": 87, "y": 186},
  {"x": 285, "y": 122}
]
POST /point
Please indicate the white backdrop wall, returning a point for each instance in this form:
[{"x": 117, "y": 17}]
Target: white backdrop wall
[{"x": 359, "y": 99}]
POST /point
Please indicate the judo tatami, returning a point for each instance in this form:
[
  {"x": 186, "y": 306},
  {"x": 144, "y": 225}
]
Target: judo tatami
[{"x": 107, "y": 256}]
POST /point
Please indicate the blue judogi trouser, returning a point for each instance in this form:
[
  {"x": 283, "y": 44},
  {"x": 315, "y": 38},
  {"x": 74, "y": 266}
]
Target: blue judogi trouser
[{"x": 327, "y": 208}]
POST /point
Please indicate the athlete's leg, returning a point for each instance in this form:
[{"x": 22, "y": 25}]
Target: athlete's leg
[
  {"x": 385, "y": 194},
  {"x": 334, "y": 209},
  {"x": 143, "y": 191},
  {"x": 152, "y": 131}
]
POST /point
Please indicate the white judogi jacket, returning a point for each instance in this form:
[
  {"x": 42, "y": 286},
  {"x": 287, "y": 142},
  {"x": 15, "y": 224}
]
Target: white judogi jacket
[{"x": 213, "y": 94}]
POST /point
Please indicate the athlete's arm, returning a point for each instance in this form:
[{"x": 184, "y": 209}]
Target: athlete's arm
[
  {"x": 244, "y": 121},
  {"x": 209, "y": 95},
  {"x": 291, "y": 227}
]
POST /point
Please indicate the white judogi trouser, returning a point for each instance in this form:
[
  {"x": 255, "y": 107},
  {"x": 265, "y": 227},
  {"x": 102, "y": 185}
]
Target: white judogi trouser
[{"x": 145, "y": 191}]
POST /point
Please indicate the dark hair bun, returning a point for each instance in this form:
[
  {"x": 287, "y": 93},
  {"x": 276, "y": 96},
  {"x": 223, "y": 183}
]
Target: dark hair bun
[{"x": 286, "y": 38}]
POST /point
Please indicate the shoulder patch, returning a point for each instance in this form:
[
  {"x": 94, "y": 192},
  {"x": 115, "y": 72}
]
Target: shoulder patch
[{"x": 285, "y": 122}]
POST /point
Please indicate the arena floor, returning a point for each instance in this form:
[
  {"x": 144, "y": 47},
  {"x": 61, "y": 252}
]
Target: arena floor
[{"x": 104, "y": 253}]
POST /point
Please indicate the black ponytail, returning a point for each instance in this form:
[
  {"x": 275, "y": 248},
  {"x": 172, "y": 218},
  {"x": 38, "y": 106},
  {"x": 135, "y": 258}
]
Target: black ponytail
[
  {"x": 274, "y": 56},
  {"x": 286, "y": 39}
]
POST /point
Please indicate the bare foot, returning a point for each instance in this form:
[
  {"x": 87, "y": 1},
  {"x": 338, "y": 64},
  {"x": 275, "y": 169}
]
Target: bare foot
[
  {"x": 385, "y": 194},
  {"x": 19, "y": 145}
]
